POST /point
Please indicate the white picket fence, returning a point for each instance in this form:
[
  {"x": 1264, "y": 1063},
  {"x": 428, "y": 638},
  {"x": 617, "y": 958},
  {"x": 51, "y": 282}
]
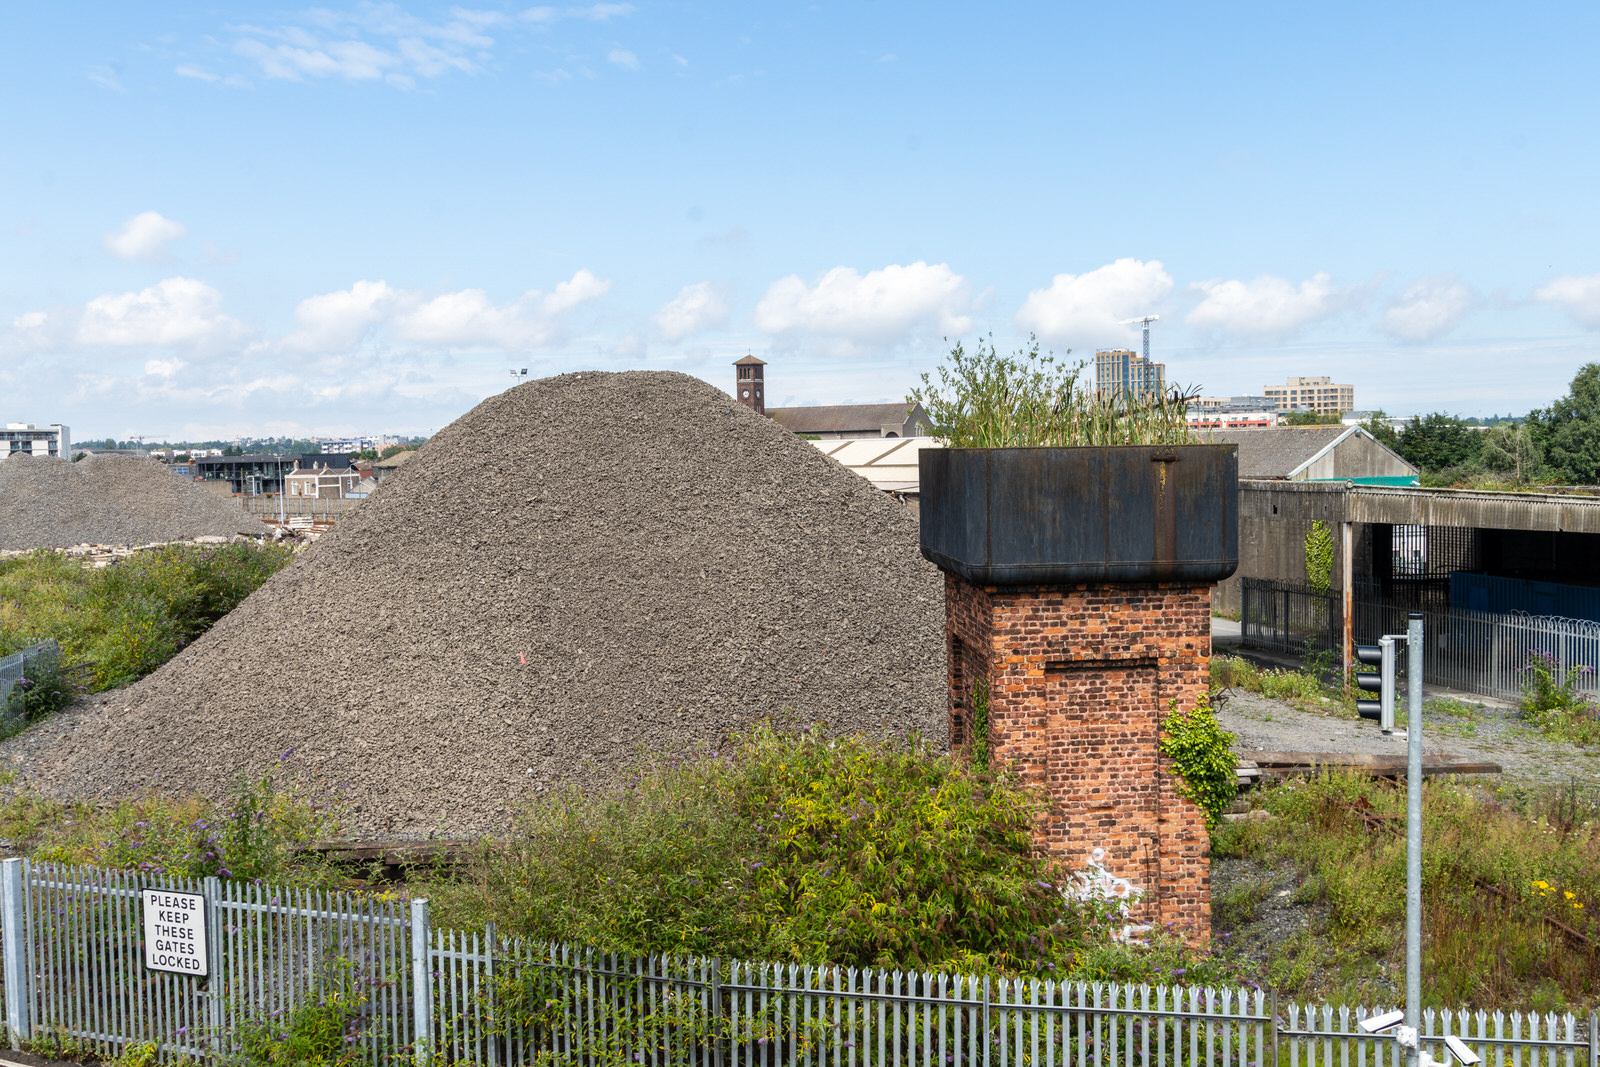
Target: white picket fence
[{"x": 404, "y": 992}]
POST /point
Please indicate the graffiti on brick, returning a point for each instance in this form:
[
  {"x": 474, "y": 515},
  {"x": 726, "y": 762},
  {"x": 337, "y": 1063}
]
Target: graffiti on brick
[{"x": 1107, "y": 895}]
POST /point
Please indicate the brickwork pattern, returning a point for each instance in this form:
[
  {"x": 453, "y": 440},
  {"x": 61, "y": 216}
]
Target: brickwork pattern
[{"x": 1079, "y": 680}]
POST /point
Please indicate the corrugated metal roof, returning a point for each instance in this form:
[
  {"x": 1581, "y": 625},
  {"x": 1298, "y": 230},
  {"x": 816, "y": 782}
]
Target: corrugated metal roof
[{"x": 840, "y": 418}]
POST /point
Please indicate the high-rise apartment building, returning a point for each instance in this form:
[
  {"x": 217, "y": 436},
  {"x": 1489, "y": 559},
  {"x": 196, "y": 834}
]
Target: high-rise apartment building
[
  {"x": 1123, "y": 372},
  {"x": 54, "y": 440},
  {"x": 1322, "y": 395}
]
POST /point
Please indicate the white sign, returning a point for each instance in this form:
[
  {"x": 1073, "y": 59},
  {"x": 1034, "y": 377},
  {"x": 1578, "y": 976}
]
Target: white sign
[{"x": 175, "y": 932}]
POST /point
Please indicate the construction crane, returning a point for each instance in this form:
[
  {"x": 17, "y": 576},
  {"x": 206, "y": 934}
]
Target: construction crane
[{"x": 1145, "y": 322}]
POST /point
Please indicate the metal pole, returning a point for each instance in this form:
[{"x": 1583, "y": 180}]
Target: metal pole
[
  {"x": 215, "y": 983},
  {"x": 1347, "y": 594},
  {"x": 19, "y": 990},
  {"x": 421, "y": 982},
  {"x": 1414, "y": 652}
]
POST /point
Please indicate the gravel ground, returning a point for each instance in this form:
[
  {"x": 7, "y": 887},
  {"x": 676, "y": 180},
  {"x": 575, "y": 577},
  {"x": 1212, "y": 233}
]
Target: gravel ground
[
  {"x": 1459, "y": 726},
  {"x": 108, "y": 500},
  {"x": 578, "y": 569}
]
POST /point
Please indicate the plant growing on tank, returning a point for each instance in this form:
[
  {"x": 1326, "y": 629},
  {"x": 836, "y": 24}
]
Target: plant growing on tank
[{"x": 1034, "y": 398}]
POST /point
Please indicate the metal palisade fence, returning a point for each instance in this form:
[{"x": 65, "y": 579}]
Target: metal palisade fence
[
  {"x": 1475, "y": 652},
  {"x": 15, "y": 668},
  {"x": 391, "y": 989}
]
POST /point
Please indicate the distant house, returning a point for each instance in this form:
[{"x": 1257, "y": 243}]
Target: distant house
[
  {"x": 838, "y": 421},
  {"x": 383, "y": 468},
  {"x": 321, "y": 482},
  {"x": 1315, "y": 453}
]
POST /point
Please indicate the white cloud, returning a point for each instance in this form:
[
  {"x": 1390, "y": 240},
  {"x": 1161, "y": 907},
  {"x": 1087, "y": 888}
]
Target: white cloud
[
  {"x": 695, "y": 309},
  {"x": 187, "y": 71},
  {"x": 623, "y": 58},
  {"x": 1089, "y": 309},
  {"x": 106, "y": 78},
  {"x": 1428, "y": 309},
  {"x": 176, "y": 311},
  {"x": 380, "y": 41},
  {"x": 1578, "y": 294},
  {"x": 143, "y": 236},
  {"x": 882, "y": 306},
  {"x": 163, "y": 368},
  {"x": 581, "y": 288},
  {"x": 1268, "y": 307},
  {"x": 469, "y": 319},
  {"x": 340, "y": 320}
]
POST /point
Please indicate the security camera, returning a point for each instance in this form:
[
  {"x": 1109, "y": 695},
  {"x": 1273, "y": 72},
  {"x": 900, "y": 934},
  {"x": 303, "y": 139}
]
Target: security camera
[
  {"x": 1458, "y": 1048},
  {"x": 1387, "y": 1021}
]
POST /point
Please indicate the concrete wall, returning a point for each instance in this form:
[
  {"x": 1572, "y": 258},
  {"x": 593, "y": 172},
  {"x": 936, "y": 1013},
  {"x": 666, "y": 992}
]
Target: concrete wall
[
  {"x": 1358, "y": 456},
  {"x": 1274, "y": 518}
]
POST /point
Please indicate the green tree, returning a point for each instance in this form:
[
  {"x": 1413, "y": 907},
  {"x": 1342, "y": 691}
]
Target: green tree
[
  {"x": 392, "y": 450},
  {"x": 1568, "y": 431},
  {"x": 1511, "y": 449},
  {"x": 1312, "y": 418},
  {"x": 1439, "y": 441},
  {"x": 1377, "y": 425}
]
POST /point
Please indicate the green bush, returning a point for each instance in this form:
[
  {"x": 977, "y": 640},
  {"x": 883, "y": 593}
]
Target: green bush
[
  {"x": 785, "y": 846},
  {"x": 121, "y": 622},
  {"x": 1556, "y": 707}
]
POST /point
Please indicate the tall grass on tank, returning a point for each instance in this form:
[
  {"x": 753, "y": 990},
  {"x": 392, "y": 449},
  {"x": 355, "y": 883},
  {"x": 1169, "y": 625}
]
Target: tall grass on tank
[{"x": 1034, "y": 399}]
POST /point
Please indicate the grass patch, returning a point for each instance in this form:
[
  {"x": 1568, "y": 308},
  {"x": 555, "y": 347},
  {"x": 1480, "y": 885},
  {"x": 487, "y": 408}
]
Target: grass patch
[
  {"x": 1500, "y": 869},
  {"x": 1278, "y": 683},
  {"x": 116, "y": 624}
]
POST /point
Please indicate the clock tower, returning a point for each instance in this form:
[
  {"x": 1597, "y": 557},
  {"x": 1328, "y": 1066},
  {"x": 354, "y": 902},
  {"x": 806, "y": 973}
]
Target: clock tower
[{"x": 749, "y": 388}]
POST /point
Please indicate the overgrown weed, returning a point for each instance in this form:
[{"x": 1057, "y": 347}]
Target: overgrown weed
[
  {"x": 121, "y": 622},
  {"x": 1498, "y": 873}
]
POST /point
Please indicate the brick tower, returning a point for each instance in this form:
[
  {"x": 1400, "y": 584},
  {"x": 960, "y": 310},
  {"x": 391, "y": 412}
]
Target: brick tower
[
  {"x": 1079, "y": 679},
  {"x": 1078, "y": 605},
  {"x": 748, "y": 387}
]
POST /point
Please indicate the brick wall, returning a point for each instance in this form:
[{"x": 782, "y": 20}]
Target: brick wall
[{"x": 1079, "y": 679}]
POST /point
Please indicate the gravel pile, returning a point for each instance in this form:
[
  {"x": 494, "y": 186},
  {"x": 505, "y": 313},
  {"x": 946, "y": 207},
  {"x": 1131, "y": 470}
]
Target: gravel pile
[
  {"x": 578, "y": 569},
  {"x": 108, "y": 500}
]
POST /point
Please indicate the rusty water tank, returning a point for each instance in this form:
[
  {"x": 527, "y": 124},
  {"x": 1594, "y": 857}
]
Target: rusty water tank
[{"x": 1121, "y": 513}]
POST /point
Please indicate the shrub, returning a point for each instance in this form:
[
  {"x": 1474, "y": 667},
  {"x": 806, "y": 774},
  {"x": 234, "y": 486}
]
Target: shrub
[
  {"x": 122, "y": 622},
  {"x": 1556, "y": 707},
  {"x": 786, "y": 846}
]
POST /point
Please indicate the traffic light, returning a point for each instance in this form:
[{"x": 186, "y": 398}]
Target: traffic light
[{"x": 1380, "y": 655}]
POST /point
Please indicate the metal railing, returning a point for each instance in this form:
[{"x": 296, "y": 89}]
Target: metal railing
[
  {"x": 1475, "y": 652},
  {"x": 15, "y": 667},
  {"x": 403, "y": 992}
]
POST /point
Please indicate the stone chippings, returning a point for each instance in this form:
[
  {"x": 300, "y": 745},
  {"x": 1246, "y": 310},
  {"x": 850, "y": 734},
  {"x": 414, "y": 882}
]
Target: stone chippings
[
  {"x": 576, "y": 570},
  {"x": 108, "y": 500}
]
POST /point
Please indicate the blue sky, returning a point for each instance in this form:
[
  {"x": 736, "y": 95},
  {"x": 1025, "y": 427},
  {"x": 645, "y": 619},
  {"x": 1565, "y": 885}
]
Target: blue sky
[{"x": 240, "y": 218}]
